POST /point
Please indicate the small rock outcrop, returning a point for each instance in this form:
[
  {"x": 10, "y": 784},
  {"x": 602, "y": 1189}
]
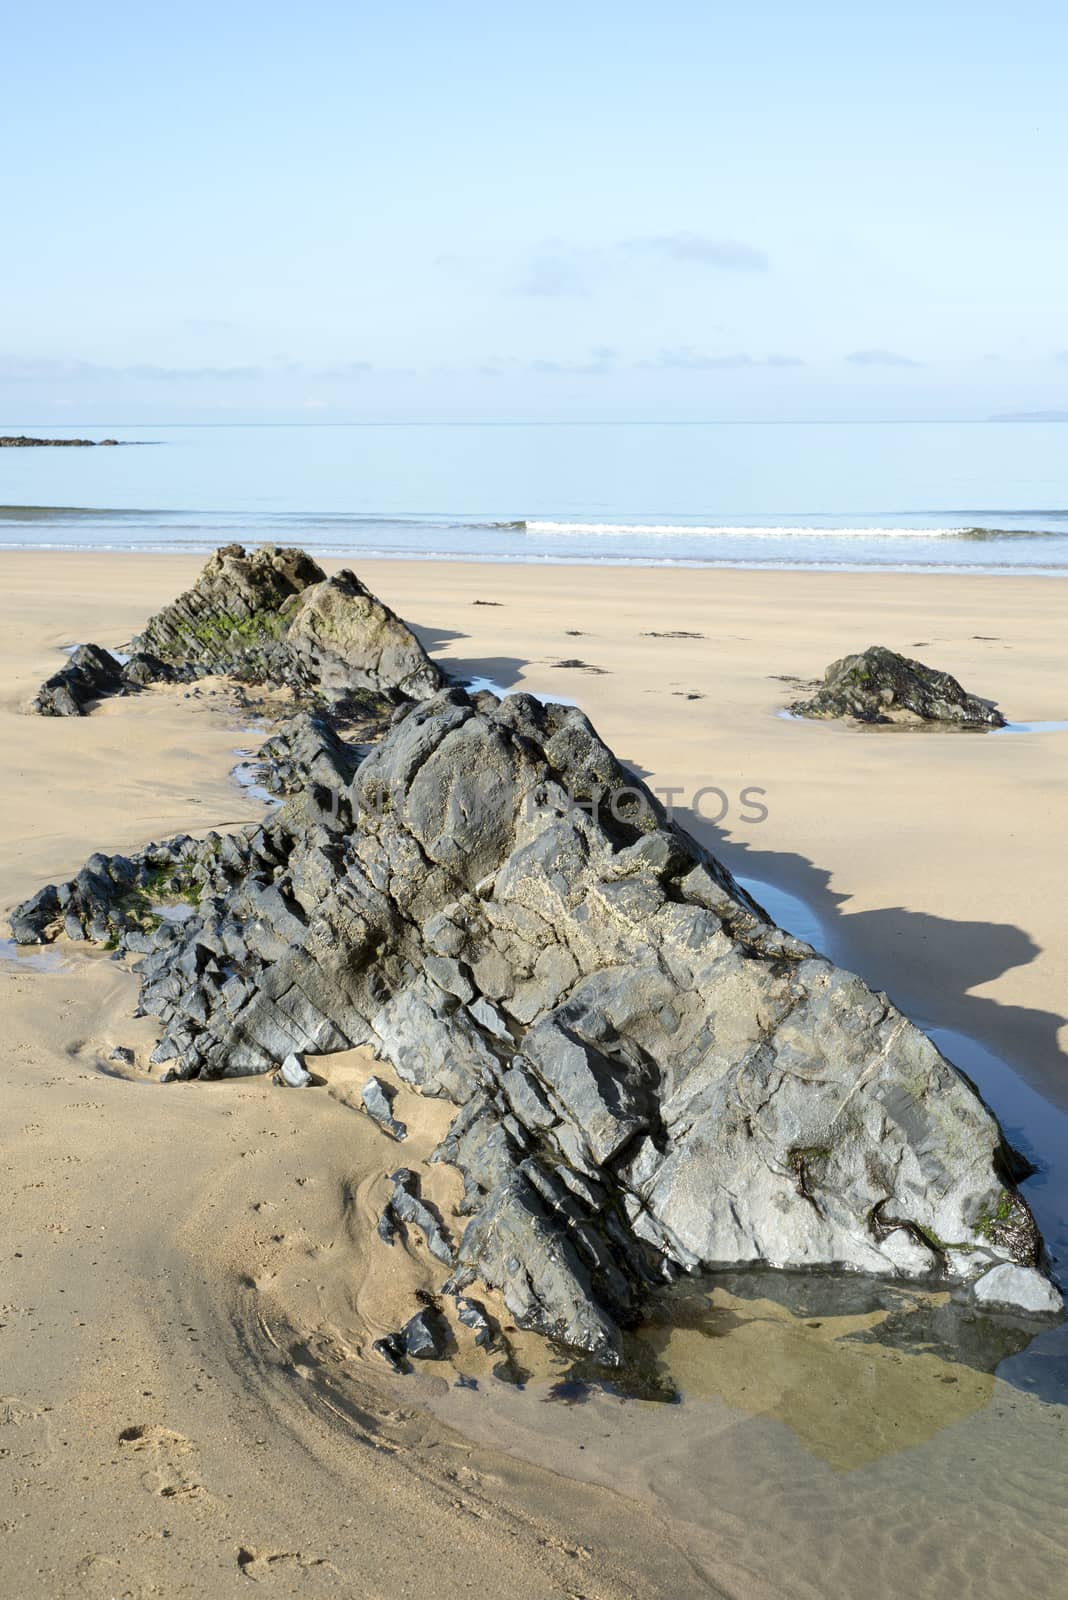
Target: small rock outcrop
[
  {"x": 271, "y": 617},
  {"x": 22, "y": 441},
  {"x": 90, "y": 673},
  {"x": 878, "y": 685},
  {"x": 650, "y": 1077}
]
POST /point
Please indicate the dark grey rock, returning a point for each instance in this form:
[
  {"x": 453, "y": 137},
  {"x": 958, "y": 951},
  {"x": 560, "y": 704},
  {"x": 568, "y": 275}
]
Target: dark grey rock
[
  {"x": 31, "y": 921},
  {"x": 392, "y": 1350},
  {"x": 22, "y": 441},
  {"x": 426, "y": 1336},
  {"x": 378, "y": 1104},
  {"x": 473, "y": 1315},
  {"x": 143, "y": 669},
  {"x": 90, "y": 673},
  {"x": 878, "y": 685},
  {"x": 306, "y": 750},
  {"x": 406, "y": 1206}
]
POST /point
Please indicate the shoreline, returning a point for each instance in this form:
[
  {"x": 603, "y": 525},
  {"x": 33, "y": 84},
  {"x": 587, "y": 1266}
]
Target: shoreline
[
  {"x": 329, "y": 558},
  {"x": 223, "y": 1265}
]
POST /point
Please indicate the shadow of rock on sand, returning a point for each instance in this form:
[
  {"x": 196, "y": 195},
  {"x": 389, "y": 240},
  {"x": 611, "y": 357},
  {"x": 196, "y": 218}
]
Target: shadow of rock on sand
[
  {"x": 928, "y": 964},
  {"x": 432, "y": 639},
  {"x": 504, "y": 671}
]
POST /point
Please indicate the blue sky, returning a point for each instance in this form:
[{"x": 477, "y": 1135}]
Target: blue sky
[{"x": 594, "y": 210}]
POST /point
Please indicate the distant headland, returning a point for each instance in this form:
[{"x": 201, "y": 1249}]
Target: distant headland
[
  {"x": 22, "y": 441},
  {"x": 1030, "y": 416}
]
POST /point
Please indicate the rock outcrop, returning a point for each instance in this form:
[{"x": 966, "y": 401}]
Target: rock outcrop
[
  {"x": 89, "y": 674},
  {"x": 270, "y": 617},
  {"x": 878, "y": 685},
  {"x": 651, "y": 1078},
  {"x": 22, "y": 441},
  {"x": 92, "y": 673}
]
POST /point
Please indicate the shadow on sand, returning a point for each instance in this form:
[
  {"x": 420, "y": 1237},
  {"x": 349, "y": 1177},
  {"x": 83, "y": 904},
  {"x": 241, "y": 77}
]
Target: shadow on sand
[{"x": 929, "y": 964}]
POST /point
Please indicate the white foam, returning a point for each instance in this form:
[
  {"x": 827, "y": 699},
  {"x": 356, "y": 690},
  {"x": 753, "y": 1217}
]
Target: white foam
[{"x": 676, "y": 530}]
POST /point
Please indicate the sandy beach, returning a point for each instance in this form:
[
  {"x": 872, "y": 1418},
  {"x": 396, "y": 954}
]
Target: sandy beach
[{"x": 189, "y": 1397}]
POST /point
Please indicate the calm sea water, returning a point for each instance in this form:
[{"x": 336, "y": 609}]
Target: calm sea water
[{"x": 895, "y": 495}]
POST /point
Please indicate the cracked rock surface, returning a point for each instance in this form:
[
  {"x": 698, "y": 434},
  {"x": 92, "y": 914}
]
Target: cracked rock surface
[{"x": 650, "y": 1077}]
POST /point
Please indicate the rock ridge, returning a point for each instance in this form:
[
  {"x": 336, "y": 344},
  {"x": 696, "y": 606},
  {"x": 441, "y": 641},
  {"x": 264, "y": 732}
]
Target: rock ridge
[{"x": 650, "y": 1077}]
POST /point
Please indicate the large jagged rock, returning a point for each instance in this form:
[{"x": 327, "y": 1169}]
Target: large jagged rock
[
  {"x": 878, "y": 685},
  {"x": 274, "y": 616},
  {"x": 270, "y": 617},
  {"x": 651, "y": 1077}
]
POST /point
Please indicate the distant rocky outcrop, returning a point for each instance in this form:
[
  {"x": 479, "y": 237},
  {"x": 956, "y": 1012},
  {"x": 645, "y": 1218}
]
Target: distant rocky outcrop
[
  {"x": 650, "y": 1077},
  {"x": 271, "y": 617},
  {"x": 878, "y": 685},
  {"x": 22, "y": 441}
]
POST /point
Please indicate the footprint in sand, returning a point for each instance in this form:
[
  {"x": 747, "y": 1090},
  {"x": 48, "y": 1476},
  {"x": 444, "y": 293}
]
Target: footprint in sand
[
  {"x": 170, "y": 1461},
  {"x": 266, "y": 1564}
]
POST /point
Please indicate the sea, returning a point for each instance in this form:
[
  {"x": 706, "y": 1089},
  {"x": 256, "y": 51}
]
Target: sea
[{"x": 937, "y": 496}]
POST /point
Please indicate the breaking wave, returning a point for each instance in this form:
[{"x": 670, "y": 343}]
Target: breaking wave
[{"x": 680, "y": 530}]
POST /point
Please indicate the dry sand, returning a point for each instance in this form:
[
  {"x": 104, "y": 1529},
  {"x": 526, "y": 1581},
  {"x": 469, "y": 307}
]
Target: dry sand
[{"x": 187, "y": 1397}]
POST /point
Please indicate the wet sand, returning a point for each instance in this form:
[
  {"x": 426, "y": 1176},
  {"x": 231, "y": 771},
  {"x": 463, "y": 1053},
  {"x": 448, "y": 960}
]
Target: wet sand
[{"x": 191, "y": 1287}]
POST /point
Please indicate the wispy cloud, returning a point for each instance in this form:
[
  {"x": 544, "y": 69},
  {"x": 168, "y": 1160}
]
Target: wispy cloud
[
  {"x": 599, "y": 364},
  {"x": 23, "y": 369},
  {"x": 559, "y": 269},
  {"x": 552, "y": 277},
  {"x": 686, "y": 359},
  {"x": 31, "y": 369},
  {"x": 881, "y": 358},
  {"x": 731, "y": 255},
  {"x": 208, "y": 325},
  {"x": 345, "y": 369}
]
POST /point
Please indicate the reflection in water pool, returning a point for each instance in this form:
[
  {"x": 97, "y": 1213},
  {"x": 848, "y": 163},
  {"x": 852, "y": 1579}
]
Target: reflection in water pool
[
  {"x": 247, "y": 776},
  {"x": 30, "y": 958}
]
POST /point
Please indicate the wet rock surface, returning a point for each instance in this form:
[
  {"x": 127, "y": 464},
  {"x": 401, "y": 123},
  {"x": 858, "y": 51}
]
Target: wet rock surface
[
  {"x": 878, "y": 685},
  {"x": 270, "y": 617},
  {"x": 651, "y": 1078}
]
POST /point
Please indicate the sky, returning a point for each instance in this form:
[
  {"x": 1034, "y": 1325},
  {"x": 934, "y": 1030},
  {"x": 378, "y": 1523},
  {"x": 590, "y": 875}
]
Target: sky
[{"x": 578, "y": 212}]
